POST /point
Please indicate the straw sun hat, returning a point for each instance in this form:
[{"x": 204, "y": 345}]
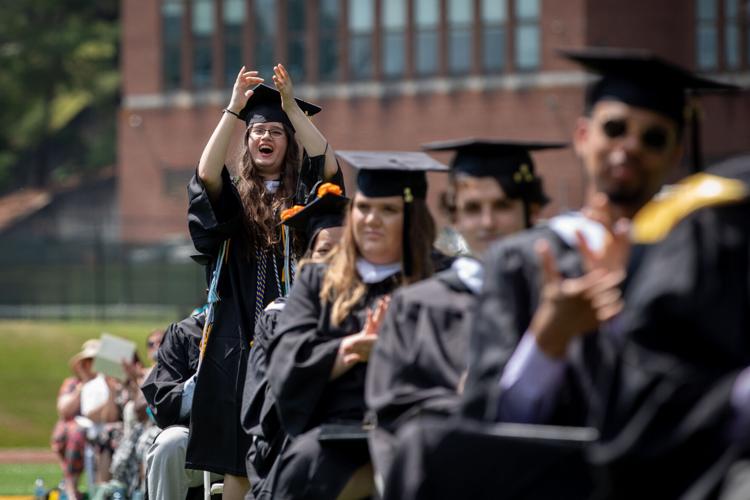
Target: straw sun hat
[{"x": 88, "y": 350}]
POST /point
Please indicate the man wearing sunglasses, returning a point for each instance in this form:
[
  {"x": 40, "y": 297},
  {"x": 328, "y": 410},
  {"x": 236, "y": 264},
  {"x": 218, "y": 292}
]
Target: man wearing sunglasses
[
  {"x": 543, "y": 335},
  {"x": 629, "y": 141}
]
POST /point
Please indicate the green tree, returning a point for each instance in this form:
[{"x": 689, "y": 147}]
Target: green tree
[{"x": 58, "y": 88}]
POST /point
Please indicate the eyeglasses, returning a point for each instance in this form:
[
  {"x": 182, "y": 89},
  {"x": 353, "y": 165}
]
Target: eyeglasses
[
  {"x": 258, "y": 132},
  {"x": 151, "y": 344},
  {"x": 655, "y": 138}
]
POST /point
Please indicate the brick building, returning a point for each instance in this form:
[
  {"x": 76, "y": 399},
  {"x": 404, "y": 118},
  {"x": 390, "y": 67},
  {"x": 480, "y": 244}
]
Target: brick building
[{"x": 391, "y": 74}]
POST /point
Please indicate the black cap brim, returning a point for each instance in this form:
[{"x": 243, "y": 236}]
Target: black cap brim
[
  {"x": 265, "y": 106},
  {"x": 642, "y": 66},
  {"x": 392, "y": 173}
]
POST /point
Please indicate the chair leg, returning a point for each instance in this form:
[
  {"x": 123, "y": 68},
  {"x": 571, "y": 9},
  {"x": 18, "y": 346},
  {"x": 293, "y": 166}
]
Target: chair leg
[{"x": 206, "y": 485}]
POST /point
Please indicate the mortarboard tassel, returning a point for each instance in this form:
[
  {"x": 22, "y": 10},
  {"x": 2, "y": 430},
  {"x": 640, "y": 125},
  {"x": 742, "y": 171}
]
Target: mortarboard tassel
[
  {"x": 696, "y": 153},
  {"x": 405, "y": 240}
]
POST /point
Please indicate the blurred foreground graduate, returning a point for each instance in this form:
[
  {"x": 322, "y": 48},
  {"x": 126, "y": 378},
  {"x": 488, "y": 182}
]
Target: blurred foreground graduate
[
  {"x": 321, "y": 223},
  {"x": 538, "y": 351},
  {"x": 421, "y": 353},
  {"x": 330, "y": 324},
  {"x": 235, "y": 222},
  {"x": 678, "y": 422}
]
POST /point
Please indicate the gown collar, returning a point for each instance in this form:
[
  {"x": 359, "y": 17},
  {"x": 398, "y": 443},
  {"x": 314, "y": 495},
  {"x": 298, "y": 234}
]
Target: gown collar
[
  {"x": 470, "y": 272},
  {"x": 375, "y": 273},
  {"x": 566, "y": 225}
]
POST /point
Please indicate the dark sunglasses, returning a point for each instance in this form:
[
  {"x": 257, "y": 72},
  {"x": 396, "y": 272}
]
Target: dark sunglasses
[
  {"x": 655, "y": 138},
  {"x": 151, "y": 344}
]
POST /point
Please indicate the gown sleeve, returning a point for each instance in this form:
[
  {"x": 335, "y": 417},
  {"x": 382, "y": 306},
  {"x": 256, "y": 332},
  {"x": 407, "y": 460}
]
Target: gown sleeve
[
  {"x": 210, "y": 224},
  {"x": 503, "y": 313},
  {"x": 256, "y": 379},
  {"x": 303, "y": 354},
  {"x": 177, "y": 360},
  {"x": 385, "y": 380},
  {"x": 684, "y": 329}
]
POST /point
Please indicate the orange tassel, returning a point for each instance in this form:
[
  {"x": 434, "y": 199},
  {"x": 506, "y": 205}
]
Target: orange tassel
[{"x": 327, "y": 188}]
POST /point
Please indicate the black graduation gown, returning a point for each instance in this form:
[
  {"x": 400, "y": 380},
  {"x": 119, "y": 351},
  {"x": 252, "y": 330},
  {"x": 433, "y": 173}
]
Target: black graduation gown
[
  {"x": 302, "y": 358},
  {"x": 259, "y": 416},
  {"x": 505, "y": 307},
  {"x": 217, "y": 441},
  {"x": 469, "y": 456},
  {"x": 669, "y": 427},
  {"x": 419, "y": 359},
  {"x": 176, "y": 361}
]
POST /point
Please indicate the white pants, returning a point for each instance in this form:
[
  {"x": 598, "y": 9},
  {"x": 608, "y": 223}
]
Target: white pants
[{"x": 167, "y": 477}]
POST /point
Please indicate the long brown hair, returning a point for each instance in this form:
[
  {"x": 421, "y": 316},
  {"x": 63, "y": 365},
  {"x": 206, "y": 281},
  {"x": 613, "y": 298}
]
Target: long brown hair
[
  {"x": 342, "y": 285},
  {"x": 260, "y": 205}
]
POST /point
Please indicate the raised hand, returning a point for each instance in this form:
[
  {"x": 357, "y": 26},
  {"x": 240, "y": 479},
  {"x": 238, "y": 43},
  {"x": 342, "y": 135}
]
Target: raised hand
[
  {"x": 614, "y": 254},
  {"x": 356, "y": 348},
  {"x": 570, "y": 307},
  {"x": 242, "y": 89},
  {"x": 283, "y": 83}
]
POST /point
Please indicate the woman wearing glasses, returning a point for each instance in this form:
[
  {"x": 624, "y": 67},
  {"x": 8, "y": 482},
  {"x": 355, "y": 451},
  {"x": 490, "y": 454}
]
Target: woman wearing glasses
[{"x": 282, "y": 156}]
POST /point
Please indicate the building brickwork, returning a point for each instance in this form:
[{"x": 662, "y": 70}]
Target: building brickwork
[{"x": 162, "y": 133}]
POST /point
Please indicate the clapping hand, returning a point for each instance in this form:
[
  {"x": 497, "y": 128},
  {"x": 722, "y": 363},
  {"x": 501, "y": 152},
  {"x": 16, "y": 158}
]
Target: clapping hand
[
  {"x": 356, "y": 348},
  {"x": 242, "y": 89},
  {"x": 283, "y": 83},
  {"x": 614, "y": 254},
  {"x": 571, "y": 307}
]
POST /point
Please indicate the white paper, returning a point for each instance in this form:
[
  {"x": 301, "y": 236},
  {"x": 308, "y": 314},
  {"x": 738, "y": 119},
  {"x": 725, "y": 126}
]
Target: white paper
[{"x": 112, "y": 352}]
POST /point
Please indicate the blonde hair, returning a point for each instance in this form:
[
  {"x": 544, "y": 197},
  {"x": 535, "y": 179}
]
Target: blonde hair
[{"x": 342, "y": 285}]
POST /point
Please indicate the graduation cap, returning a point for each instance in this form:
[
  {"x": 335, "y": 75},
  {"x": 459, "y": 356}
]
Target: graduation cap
[
  {"x": 394, "y": 173},
  {"x": 509, "y": 162},
  {"x": 265, "y": 106},
  {"x": 325, "y": 210},
  {"x": 642, "y": 79}
]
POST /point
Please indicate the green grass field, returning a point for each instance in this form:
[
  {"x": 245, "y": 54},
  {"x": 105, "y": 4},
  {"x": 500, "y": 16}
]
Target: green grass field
[
  {"x": 18, "y": 479},
  {"x": 33, "y": 363}
]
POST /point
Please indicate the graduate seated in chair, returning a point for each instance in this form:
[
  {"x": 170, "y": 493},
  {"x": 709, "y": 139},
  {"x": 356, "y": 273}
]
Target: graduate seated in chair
[
  {"x": 421, "y": 353},
  {"x": 541, "y": 343},
  {"x": 168, "y": 390},
  {"x": 331, "y": 321},
  {"x": 321, "y": 223},
  {"x": 678, "y": 419}
]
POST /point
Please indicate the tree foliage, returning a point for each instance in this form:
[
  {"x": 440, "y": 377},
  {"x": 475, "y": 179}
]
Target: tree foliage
[{"x": 58, "y": 88}]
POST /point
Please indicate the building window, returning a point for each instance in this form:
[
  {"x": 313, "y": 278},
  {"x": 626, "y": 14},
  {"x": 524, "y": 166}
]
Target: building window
[
  {"x": 426, "y": 25},
  {"x": 527, "y": 34},
  {"x": 361, "y": 24},
  {"x": 328, "y": 46},
  {"x": 234, "y": 19},
  {"x": 706, "y": 39},
  {"x": 264, "y": 39},
  {"x": 202, "y": 31},
  {"x": 731, "y": 34},
  {"x": 295, "y": 36},
  {"x": 394, "y": 37},
  {"x": 494, "y": 16},
  {"x": 171, "y": 24},
  {"x": 460, "y": 21}
]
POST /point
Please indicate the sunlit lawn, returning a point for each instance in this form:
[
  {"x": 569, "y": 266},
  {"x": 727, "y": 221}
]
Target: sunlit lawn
[{"x": 34, "y": 361}]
